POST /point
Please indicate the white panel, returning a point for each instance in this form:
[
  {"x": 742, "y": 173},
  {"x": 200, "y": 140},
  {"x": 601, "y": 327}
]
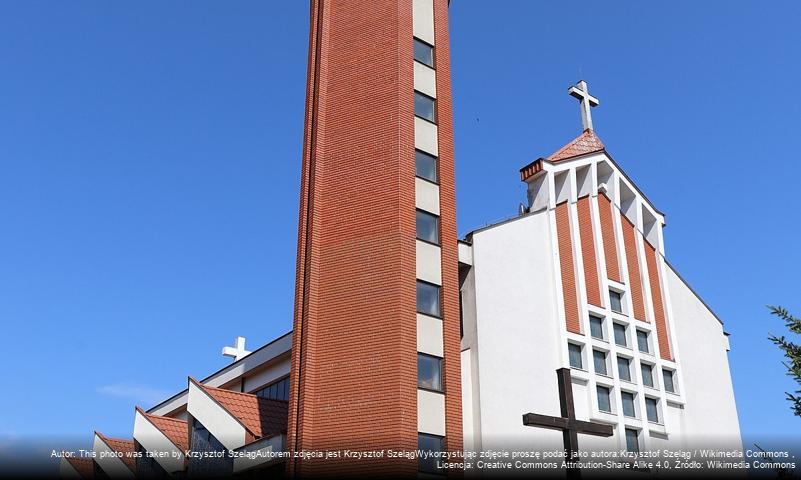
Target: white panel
[
  {"x": 465, "y": 253},
  {"x": 425, "y": 136},
  {"x": 467, "y": 403},
  {"x": 108, "y": 461},
  {"x": 423, "y": 11},
  {"x": 259, "y": 451},
  {"x": 426, "y": 196},
  {"x": 425, "y": 79},
  {"x": 268, "y": 375},
  {"x": 429, "y": 335},
  {"x": 153, "y": 440},
  {"x": 430, "y": 412},
  {"x": 216, "y": 419},
  {"x": 429, "y": 263}
]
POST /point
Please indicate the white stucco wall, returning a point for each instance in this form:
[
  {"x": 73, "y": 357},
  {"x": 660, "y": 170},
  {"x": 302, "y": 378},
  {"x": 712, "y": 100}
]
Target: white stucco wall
[
  {"x": 428, "y": 263},
  {"x": 106, "y": 458},
  {"x": 423, "y": 14},
  {"x": 217, "y": 420},
  {"x": 425, "y": 80},
  {"x": 425, "y": 136},
  {"x": 426, "y": 196},
  {"x": 153, "y": 440},
  {"x": 430, "y": 412},
  {"x": 429, "y": 335}
]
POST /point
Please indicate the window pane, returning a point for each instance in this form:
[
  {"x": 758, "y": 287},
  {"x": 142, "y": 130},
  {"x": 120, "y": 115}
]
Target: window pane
[
  {"x": 647, "y": 375},
  {"x": 628, "y": 404},
  {"x": 429, "y": 443},
  {"x": 427, "y": 227},
  {"x": 426, "y": 166},
  {"x": 429, "y": 372},
  {"x": 424, "y": 107},
  {"x": 574, "y": 352},
  {"x": 642, "y": 341},
  {"x": 604, "y": 404},
  {"x": 632, "y": 442},
  {"x": 652, "y": 410},
  {"x": 596, "y": 327},
  {"x": 615, "y": 301},
  {"x": 620, "y": 335},
  {"x": 424, "y": 53},
  {"x": 428, "y": 299},
  {"x": 624, "y": 368},
  {"x": 667, "y": 379},
  {"x": 599, "y": 360}
]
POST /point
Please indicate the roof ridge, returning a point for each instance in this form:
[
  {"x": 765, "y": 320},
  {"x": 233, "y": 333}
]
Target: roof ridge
[
  {"x": 156, "y": 419},
  {"x": 587, "y": 142}
]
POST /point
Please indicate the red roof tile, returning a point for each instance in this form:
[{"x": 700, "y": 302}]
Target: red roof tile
[
  {"x": 84, "y": 466},
  {"x": 122, "y": 446},
  {"x": 587, "y": 142},
  {"x": 262, "y": 417},
  {"x": 174, "y": 429}
]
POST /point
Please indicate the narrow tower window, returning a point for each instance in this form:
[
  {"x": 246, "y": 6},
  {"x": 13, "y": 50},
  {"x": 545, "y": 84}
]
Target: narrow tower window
[
  {"x": 424, "y": 53},
  {"x": 429, "y": 372},
  {"x": 428, "y": 299},
  {"x": 426, "y": 166},
  {"x": 427, "y": 227},
  {"x": 424, "y": 107}
]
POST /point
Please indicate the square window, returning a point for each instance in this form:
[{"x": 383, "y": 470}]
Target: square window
[
  {"x": 620, "y": 334},
  {"x": 624, "y": 368},
  {"x": 431, "y": 444},
  {"x": 574, "y": 354},
  {"x": 647, "y": 374},
  {"x": 632, "y": 440},
  {"x": 425, "y": 166},
  {"x": 424, "y": 107},
  {"x": 652, "y": 409},
  {"x": 599, "y": 360},
  {"x": 667, "y": 380},
  {"x": 616, "y": 301},
  {"x": 596, "y": 327},
  {"x": 642, "y": 341},
  {"x": 423, "y": 53},
  {"x": 604, "y": 403},
  {"x": 429, "y": 372},
  {"x": 428, "y": 299},
  {"x": 627, "y": 399},
  {"x": 427, "y": 227}
]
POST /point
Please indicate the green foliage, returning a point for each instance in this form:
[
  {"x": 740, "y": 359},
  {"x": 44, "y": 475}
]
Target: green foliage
[{"x": 792, "y": 351}]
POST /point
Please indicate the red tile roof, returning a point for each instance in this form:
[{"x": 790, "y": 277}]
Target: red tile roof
[
  {"x": 122, "y": 446},
  {"x": 84, "y": 466},
  {"x": 173, "y": 428},
  {"x": 260, "y": 416},
  {"x": 587, "y": 142}
]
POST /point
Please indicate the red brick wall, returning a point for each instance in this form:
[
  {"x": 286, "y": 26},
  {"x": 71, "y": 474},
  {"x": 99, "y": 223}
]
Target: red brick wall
[
  {"x": 567, "y": 265},
  {"x": 588, "y": 252},
  {"x": 633, "y": 261},
  {"x": 660, "y": 319},
  {"x": 609, "y": 241}
]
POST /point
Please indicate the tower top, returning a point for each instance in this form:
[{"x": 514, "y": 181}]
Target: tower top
[{"x": 582, "y": 92}]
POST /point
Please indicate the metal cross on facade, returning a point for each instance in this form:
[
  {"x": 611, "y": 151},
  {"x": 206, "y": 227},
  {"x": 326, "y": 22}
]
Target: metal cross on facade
[
  {"x": 582, "y": 92},
  {"x": 238, "y": 352},
  {"x": 567, "y": 423}
]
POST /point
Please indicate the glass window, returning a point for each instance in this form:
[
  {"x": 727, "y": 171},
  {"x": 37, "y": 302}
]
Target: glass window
[
  {"x": 428, "y": 298},
  {"x": 620, "y": 334},
  {"x": 424, "y": 107},
  {"x": 604, "y": 404},
  {"x": 627, "y": 399},
  {"x": 624, "y": 368},
  {"x": 433, "y": 444},
  {"x": 278, "y": 390},
  {"x": 429, "y": 372},
  {"x": 667, "y": 380},
  {"x": 642, "y": 341},
  {"x": 632, "y": 441},
  {"x": 428, "y": 227},
  {"x": 652, "y": 409},
  {"x": 599, "y": 360},
  {"x": 647, "y": 374},
  {"x": 574, "y": 352},
  {"x": 615, "y": 301},
  {"x": 424, "y": 53},
  {"x": 426, "y": 166},
  {"x": 597, "y": 327}
]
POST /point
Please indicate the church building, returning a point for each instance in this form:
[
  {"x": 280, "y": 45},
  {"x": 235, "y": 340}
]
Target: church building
[{"x": 564, "y": 323}]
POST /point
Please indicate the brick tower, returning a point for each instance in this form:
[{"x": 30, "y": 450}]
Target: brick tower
[{"x": 375, "y": 355}]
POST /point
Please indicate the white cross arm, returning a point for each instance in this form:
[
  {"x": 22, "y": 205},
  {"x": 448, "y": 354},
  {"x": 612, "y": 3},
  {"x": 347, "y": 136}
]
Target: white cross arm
[{"x": 581, "y": 95}]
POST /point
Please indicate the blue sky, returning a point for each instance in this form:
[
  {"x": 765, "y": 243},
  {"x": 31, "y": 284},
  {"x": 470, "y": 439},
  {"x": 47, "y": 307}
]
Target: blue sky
[{"x": 150, "y": 161}]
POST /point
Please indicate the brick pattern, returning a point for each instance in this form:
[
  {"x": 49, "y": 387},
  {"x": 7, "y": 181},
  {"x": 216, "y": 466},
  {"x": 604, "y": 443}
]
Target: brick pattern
[
  {"x": 567, "y": 265},
  {"x": 660, "y": 318},
  {"x": 633, "y": 261},
  {"x": 590, "y": 259},
  {"x": 608, "y": 238}
]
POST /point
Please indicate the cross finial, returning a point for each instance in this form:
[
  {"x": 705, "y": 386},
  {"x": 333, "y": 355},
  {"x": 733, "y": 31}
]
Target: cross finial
[
  {"x": 582, "y": 92},
  {"x": 238, "y": 352}
]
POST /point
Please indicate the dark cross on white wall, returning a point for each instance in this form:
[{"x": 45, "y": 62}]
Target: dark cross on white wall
[
  {"x": 582, "y": 92},
  {"x": 567, "y": 423}
]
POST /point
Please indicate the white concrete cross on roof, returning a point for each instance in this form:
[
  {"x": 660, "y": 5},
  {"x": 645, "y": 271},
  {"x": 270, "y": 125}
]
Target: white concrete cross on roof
[
  {"x": 582, "y": 92},
  {"x": 238, "y": 352}
]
